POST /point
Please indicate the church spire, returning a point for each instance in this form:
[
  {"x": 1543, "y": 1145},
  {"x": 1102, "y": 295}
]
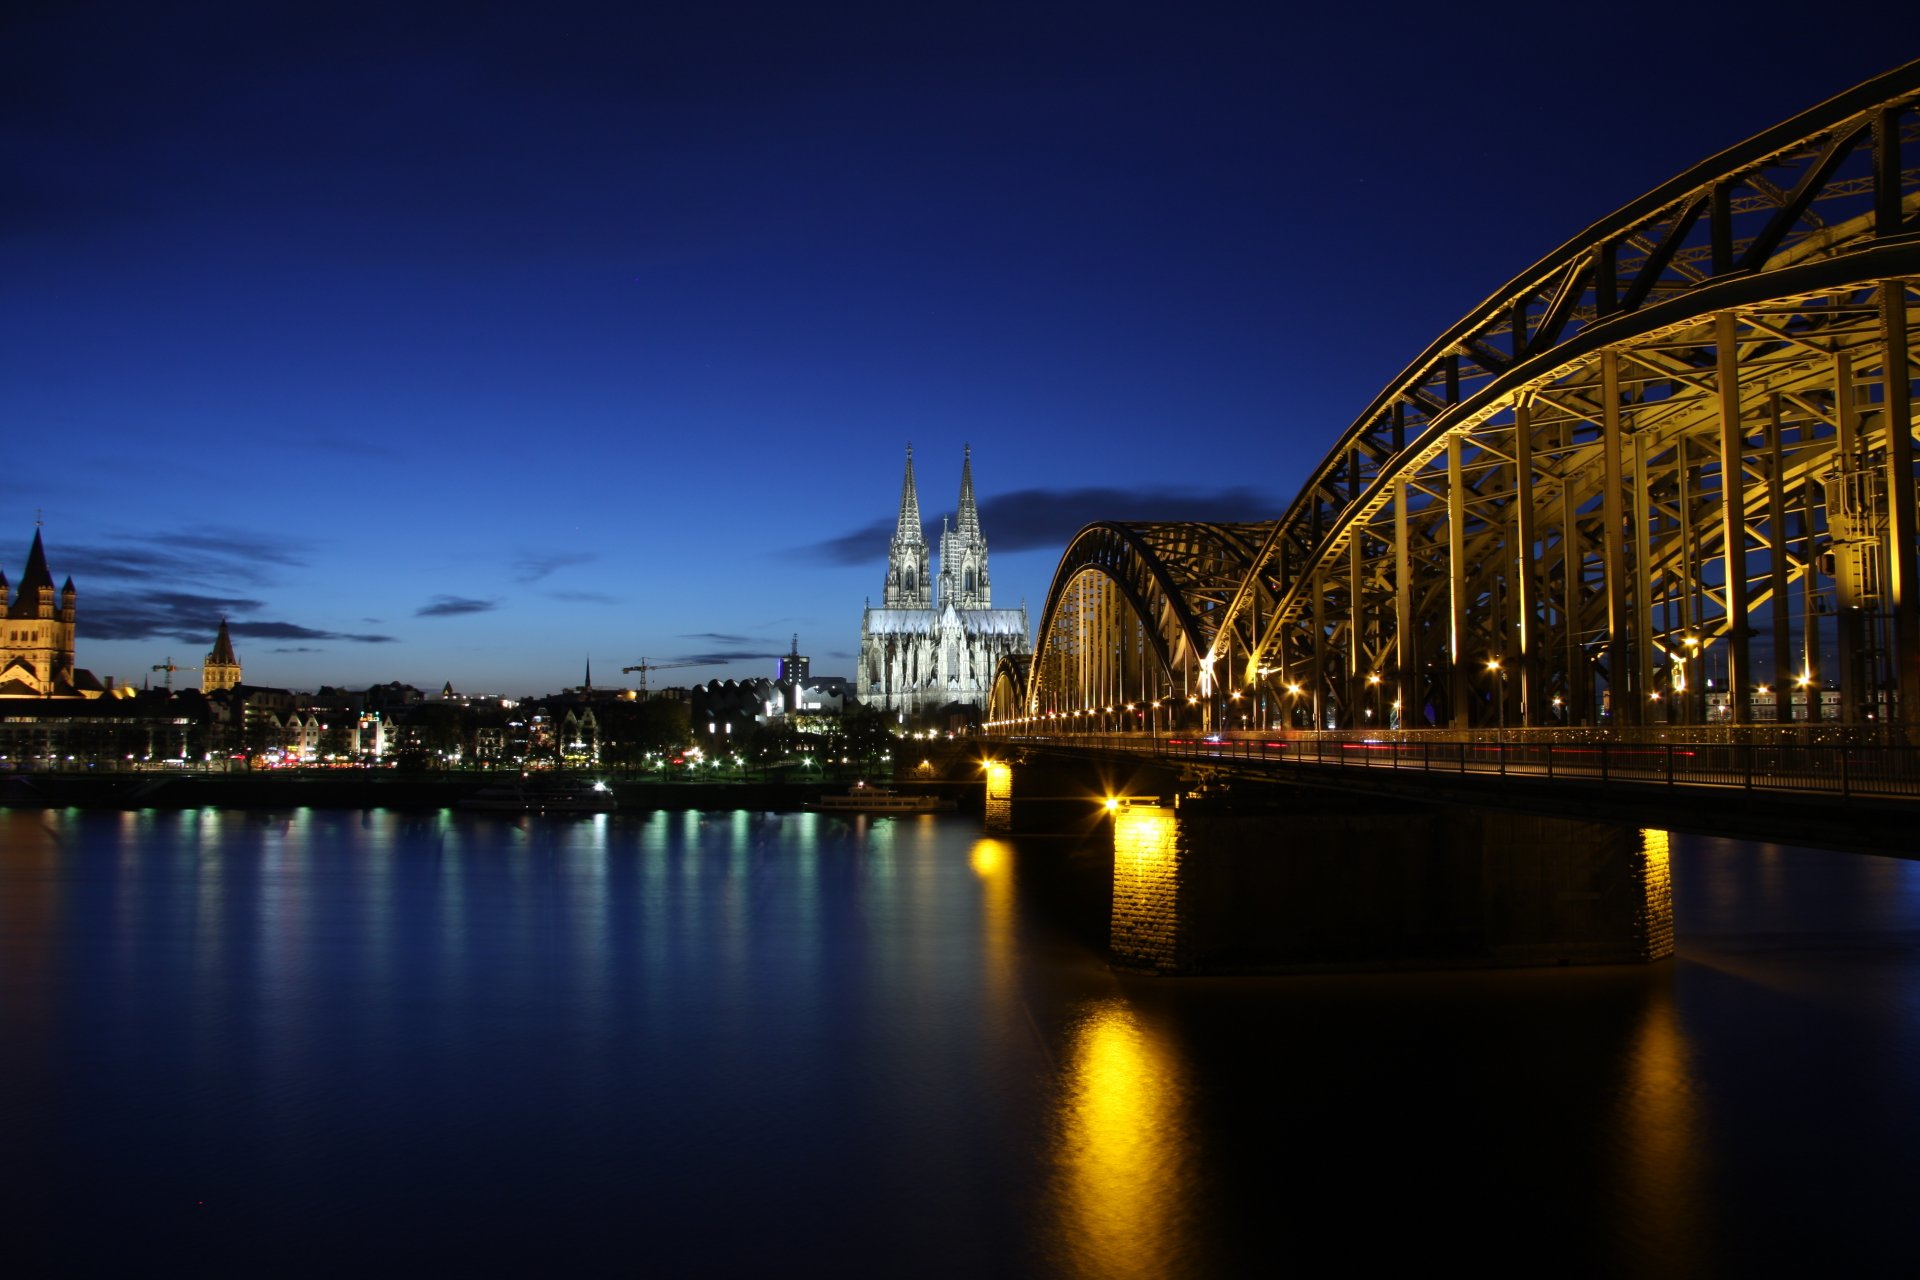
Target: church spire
[
  {"x": 909, "y": 559},
  {"x": 222, "y": 646},
  {"x": 35, "y": 598},
  {"x": 967, "y": 523},
  {"x": 221, "y": 670},
  {"x": 908, "y": 528}
]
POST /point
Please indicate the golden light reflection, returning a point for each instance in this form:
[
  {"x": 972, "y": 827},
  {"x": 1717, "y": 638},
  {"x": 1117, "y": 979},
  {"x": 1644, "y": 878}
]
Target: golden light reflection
[
  {"x": 1656, "y": 883},
  {"x": 1124, "y": 1175},
  {"x": 1659, "y": 1127},
  {"x": 988, "y": 859}
]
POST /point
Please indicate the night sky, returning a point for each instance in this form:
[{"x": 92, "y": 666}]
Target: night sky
[{"x": 472, "y": 342}]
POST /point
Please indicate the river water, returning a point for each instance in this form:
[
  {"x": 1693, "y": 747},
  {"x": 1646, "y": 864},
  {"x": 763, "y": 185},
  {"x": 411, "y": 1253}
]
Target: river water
[{"x": 722, "y": 1044}]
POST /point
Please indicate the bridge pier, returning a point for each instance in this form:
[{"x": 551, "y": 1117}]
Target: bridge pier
[
  {"x": 1318, "y": 886},
  {"x": 1061, "y": 798}
]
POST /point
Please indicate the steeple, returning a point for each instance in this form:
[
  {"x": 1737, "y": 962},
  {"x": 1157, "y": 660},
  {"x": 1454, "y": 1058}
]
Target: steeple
[
  {"x": 907, "y": 528},
  {"x": 968, "y": 521},
  {"x": 908, "y": 557},
  {"x": 221, "y": 670},
  {"x": 35, "y": 599},
  {"x": 222, "y": 646},
  {"x": 963, "y": 553}
]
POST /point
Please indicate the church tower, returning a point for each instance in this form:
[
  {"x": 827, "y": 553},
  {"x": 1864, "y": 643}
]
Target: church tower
[
  {"x": 963, "y": 551},
  {"x": 36, "y": 649},
  {"x": 909, "y": 580},
  {"x": 221, "y": 670}
]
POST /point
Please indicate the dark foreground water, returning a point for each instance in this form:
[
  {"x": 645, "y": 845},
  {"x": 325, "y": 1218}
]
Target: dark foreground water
[{"x": 739, "y": 1044}]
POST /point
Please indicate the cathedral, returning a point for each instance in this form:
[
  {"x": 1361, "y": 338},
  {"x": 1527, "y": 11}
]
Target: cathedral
[{"x": 935, "y": 641}]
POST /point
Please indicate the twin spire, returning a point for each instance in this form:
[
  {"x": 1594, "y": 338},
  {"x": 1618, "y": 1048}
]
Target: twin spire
[
  {"x": 909, "y": 528},
  {"x": 966, "y": 523},
  {"x": 963, "y": 550}
]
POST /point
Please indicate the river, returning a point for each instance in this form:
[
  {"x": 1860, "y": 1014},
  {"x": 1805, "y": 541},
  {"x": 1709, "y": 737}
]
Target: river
[{"x": 732, "y": 1044}]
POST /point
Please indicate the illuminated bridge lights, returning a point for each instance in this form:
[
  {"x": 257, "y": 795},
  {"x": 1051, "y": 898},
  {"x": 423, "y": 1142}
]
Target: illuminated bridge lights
[{"x": 1667, "y": 443}]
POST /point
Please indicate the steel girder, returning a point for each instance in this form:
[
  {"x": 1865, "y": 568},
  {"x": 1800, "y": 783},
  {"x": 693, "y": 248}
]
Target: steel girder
[
  {"x": 1134, "y": 613},
  {"x": 1532, "y": 523}
]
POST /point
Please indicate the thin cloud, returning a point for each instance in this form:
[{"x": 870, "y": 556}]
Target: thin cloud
[
  {"x": 157, "y": 615},
  {"x": 199, "y": 554},
  {"x": 453, "y": 607},
  {"x": 192, "y": 619},
  {"x": 294, "y": 631},
  {"x": 582, "y": 597},
  {"x": 719, "y": 637},
  {"x": 722, "y": 657},
  {"x": 532, "y": 566},
  {"x": 1029, "y": 519}
]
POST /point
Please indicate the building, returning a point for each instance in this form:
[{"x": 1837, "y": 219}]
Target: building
[
  {"x": 221, "y": 670},
  {"x": 36, "y": 648},
  {"x": 935, "y": 641}
]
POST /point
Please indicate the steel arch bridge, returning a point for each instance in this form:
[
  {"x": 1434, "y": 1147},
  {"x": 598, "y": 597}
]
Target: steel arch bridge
[{"x": 1663, "y": 476}]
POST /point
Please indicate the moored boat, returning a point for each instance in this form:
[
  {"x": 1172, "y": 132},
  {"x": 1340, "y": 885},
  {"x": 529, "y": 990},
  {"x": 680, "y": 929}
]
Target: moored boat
[
  {"x": 865, "y": 798},
  {"x": 557, "y": 795}
]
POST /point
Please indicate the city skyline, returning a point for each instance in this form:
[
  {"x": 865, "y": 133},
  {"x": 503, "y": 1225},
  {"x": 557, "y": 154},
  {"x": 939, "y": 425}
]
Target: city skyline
[{"x": 470, "y": 348}]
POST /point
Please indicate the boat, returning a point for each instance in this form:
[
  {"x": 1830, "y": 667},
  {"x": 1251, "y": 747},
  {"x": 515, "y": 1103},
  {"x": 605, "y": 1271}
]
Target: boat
[
  {"x": 542, "y": 795},
  {"x": 863, "y": 798}
]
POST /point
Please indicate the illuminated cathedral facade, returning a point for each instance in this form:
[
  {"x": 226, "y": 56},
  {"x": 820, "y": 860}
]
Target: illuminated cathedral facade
[{"x": 936, "y": 640}]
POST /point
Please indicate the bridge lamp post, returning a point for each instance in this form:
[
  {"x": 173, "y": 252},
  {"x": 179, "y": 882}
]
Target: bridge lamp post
[
  {"x": 1693, "y": 655},
  {"x": 1499, "y": 688},
  {"x": 1373, "y": 687}
]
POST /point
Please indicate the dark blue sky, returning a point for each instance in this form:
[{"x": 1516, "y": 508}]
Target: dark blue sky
[{"x": 466, "y": 342}]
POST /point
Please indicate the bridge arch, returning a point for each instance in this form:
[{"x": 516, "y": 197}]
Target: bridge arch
[
  {"x": 1132, "y": 619},
  {"x": 1665, "y": 475}
]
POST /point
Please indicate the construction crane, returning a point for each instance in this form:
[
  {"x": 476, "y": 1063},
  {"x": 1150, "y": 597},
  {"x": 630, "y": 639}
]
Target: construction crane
[
  {"x": 169, "y": 668},
  {"x": 643, "y": 666}
]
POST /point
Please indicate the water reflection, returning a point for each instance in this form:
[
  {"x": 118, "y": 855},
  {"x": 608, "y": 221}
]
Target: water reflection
[
  {"x": 1124, "y": 1158},
  {"x": 1660, "y": 1128}
]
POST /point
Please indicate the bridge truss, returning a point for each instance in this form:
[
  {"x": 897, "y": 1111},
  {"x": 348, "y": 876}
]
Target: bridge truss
[{"x": 1665, "y": 475}]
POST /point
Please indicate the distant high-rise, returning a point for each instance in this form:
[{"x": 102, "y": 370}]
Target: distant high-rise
[
  {"x": 221, "y": 670},
  {"x": 936, "y": 641}
]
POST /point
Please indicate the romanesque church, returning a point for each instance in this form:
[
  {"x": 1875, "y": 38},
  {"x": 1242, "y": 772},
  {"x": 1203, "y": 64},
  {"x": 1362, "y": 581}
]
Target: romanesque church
[
  {"x": 36, "y": 649},
  {"x": 935, "y": 641}
]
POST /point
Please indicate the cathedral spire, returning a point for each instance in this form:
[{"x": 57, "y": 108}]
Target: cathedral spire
[
  {"x": 967, "y": 523},
  {"x": 908, "y": 528},
  {"x": 908, "y": 558}
]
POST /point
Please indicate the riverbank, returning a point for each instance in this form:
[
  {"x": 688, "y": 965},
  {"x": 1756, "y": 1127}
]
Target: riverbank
[{"x": 371, "y": 790}]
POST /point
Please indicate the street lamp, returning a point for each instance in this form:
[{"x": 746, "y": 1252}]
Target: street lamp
[{"x": 1499, "y": 688}]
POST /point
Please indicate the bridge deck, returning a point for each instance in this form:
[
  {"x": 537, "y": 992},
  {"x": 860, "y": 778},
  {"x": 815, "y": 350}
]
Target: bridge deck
[{"x": 1859, "y": 796}]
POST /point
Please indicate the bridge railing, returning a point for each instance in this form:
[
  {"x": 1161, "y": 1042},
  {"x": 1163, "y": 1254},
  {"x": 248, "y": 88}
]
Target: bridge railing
[{"x": 1844, "y": 770}]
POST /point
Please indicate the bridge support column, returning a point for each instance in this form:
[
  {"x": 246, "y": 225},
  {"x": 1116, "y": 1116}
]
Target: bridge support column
[
  {"x": 1197, "y": 890},
  {"x": 1898, "y": 395}
]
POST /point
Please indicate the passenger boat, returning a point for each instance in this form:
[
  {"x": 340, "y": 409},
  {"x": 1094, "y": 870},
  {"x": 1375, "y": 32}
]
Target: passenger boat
[
  {"x": 542, "y": 795},
  {"x": 863, "y": 798}
]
